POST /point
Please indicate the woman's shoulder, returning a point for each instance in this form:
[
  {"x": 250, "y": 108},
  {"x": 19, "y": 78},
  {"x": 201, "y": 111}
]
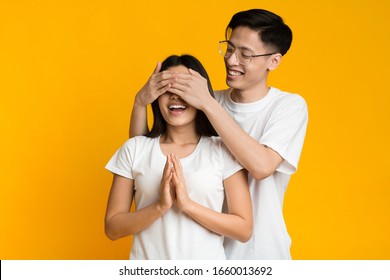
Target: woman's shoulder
[
  {"x": 213, "y": 143},
  {"x": 217, "y": 150},
  {"x": 212, "y": 140},
  {"x": 143, "y": 139},
  {"x": 138, "y": 142}
]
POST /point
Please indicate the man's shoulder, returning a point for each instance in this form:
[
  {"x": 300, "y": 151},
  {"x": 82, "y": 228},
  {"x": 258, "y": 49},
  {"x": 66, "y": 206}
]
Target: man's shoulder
[
  {"x": 220, "y": 95},
  {"x": 221, "y": 91},
  {"x": 287, "y": 98}
]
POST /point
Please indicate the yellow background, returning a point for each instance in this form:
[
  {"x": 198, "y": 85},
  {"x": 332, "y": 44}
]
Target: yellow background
[{"x": 69, "y": 71}]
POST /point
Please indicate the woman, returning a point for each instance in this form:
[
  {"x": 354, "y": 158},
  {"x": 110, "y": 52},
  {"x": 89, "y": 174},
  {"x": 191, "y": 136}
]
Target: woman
[{"x": 179, "y": 175}]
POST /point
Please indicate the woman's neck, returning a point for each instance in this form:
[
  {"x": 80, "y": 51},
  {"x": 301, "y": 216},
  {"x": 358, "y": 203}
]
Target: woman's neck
[
  {"x": 179, "y": 142},
  {"x": 179, "y": 137}
]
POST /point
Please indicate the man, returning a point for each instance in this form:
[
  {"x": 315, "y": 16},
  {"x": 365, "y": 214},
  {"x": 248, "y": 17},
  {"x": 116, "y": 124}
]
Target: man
[{"x": 263, "y": 127}]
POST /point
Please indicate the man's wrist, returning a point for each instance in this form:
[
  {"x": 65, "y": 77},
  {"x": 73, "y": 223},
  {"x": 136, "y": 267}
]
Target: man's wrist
[
  {"x": 210, "y": 106},
  {"x": 138, "y": 103}
]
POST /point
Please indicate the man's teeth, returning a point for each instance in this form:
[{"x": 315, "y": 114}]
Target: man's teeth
[{"x": 234, "y": 73}]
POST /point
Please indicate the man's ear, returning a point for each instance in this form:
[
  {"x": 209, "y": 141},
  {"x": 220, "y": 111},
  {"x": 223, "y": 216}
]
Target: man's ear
[{"x": 274, "y": 61}]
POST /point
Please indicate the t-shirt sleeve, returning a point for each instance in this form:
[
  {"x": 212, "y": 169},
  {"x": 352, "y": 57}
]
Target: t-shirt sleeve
[
  {"x": 285, "y": 131},
  {"x": 121, "y": 162},
  {"x": 221, "y": 95},
  {"x": 230, "y": 164}
]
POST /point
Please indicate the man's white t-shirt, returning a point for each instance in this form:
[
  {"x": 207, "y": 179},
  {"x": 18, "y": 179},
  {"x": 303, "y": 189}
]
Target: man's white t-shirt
[
  {"x": 175, "y": 235},
  {"x": 279, "y": 121}
]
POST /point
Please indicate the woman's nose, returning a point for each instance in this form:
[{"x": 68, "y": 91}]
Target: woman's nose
[{"x": 174, "y": 96}]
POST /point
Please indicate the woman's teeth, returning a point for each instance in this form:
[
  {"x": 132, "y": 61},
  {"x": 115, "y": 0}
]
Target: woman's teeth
[{"x": 177, "y": 107}]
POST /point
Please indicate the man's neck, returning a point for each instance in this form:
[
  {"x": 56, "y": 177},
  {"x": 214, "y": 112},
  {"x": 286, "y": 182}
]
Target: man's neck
[{"x": 249, "y": 96}]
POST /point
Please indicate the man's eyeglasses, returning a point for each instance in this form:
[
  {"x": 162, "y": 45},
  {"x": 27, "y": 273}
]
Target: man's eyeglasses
[{"x": 244, "y": 57}]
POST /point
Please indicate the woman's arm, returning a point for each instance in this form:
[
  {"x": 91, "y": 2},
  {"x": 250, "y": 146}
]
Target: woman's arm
[
  {"x": 237, "y": 223},
  {"x": 119, "y": 221}
]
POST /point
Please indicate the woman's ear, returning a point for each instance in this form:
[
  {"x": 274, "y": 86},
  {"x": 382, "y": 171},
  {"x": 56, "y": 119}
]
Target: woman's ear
[{"x": 274, "y": 61}]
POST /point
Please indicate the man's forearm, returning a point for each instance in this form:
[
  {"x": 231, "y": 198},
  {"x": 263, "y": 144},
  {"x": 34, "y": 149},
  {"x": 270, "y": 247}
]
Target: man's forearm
[
  {"x": 138, "y": 121},
  {"x": 259, "y": 160}
]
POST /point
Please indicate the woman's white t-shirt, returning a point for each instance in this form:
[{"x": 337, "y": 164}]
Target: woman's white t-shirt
[{"x": 175, "y": 235}]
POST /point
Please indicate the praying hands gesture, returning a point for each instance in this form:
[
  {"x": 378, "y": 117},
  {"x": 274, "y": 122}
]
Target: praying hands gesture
[
  {"x": 173, "y": 187},
  {"x": 174, "y": 190}
]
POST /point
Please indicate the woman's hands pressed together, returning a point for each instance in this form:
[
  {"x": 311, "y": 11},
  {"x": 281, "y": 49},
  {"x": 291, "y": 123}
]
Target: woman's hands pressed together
[
  {"x": 173, "y": 186},
  {"x": 167, "y": 192},
  {"x": 179, "y": 184},
  {"x": 237, "y": 223}
]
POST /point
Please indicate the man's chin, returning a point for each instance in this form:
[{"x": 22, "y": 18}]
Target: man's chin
[{"x": 232, "y": 84}]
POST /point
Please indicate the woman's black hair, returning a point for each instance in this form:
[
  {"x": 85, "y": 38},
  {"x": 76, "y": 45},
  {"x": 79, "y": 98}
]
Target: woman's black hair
[{"x": 202, "y": 124}]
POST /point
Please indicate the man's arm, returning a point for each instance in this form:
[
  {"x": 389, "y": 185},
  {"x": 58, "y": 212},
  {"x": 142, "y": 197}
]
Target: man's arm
[
  {"x": 157, "y": 84},
  {"x": 259, "y": 160},
  {"x": 138, "y": 120}
]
